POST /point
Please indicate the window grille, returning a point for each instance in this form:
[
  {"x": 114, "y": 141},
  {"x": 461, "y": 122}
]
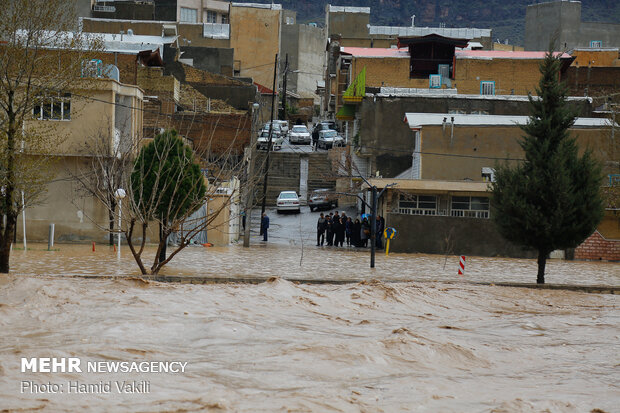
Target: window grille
[
  {"x": 487, "y": 88},
  {"x": 434, "y": 81},
  {"x": 57, "y": 107}
]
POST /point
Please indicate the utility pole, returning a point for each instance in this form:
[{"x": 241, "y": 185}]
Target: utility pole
[
  {"x": 250, "y": 184},
  {"x": 284, "y": 87},
  {"x": 273, "y": 102},
  {"x": 373, "y": 226}
]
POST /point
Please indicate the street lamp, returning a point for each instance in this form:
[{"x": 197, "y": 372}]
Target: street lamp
[{"x": 119, "y": 194}]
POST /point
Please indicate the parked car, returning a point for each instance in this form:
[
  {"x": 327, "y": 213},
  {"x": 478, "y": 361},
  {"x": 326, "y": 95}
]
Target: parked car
[
  {"x": 329, "y": 139},
  {"x": 263, "y": 141},
  {"x": 317, "y": 128},
  {"x": 299, "y": 134},
  {"x": 288, "y": 201},
  {"x": 283, "y": 125},
  {"x": 277, "y": 128},
  {"x": 322, "y": 198}
]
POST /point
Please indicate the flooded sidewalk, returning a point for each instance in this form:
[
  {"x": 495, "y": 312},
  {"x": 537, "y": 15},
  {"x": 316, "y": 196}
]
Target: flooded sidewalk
[
  {"x": 421, "y": 342},
  {"x": 265, "y": 260}
]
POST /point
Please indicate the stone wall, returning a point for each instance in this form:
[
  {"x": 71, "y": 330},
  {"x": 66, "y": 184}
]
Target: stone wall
[{"x": 448, "y": 235}]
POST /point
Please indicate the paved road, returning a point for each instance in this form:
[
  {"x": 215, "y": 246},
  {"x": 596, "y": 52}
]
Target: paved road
[
  {"x": 292, "y": 229},
  {"x": 289, "y": 147}
]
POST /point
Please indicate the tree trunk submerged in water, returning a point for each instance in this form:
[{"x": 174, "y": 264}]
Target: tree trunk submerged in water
[
  {"x": 542, "y": 261},
  {"x": 5, "y": 244}
]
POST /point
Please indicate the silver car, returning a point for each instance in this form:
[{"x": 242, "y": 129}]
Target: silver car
[
  {"x": 263, "y": 141},
  {"x": 329, "y": 138},
  {"x": 299, "y": 134},
  {"x": 288, "y": 201}
]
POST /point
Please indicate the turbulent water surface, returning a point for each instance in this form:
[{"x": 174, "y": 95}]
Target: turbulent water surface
[{"x": 427, "y": 342}]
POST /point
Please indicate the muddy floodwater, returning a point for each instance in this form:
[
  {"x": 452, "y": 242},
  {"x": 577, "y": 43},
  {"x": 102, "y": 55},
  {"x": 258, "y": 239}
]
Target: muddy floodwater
[{"x": 410, "y": 337}]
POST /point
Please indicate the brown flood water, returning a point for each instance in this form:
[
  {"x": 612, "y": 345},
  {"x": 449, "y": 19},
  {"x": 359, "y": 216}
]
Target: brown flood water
[{"x": 420, "y": 344}]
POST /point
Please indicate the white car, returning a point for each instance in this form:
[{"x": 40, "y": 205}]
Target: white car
[
  {"x": 263, "y": 141},
  {"x": 288, "y": 201},
  {"x": 283, "y": 126},
  {"x": 299, "y": 134},
  {"x": 329, "y": 138},
  {"x": 276, "y": 129}
]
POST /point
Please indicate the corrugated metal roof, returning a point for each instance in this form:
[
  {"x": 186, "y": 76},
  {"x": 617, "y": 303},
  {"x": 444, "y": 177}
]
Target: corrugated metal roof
[
  {"x": 418, "y": 120},
  {"x": 501, "y": 54},
  {"x": 375, "y": 52},
  {"x": 460, "y": 33}
]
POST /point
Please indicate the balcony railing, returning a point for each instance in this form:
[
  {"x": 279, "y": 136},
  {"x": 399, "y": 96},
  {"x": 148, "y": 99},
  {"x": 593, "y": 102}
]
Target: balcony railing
[{"x": 106, "y": 9}]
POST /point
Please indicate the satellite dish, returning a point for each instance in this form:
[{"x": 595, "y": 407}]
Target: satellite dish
[{"x": 111, "y": 72}]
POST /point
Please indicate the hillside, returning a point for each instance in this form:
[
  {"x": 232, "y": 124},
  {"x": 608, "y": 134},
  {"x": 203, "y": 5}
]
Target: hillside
[{"x": 506, "y": 18}]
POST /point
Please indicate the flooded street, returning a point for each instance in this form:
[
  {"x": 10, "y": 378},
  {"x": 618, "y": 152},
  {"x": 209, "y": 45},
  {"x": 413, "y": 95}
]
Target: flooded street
[{"x": 425, "y": 342}]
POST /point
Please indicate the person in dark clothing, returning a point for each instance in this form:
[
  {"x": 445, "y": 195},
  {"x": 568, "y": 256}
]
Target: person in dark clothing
[
  {"x": 379, "y": 237},
  {"x": 321, "y": 226},
  {"x": 335, "y": 226},
  {"x": 340, "y": 230},
  {"x": 348, "y": 229},
  {"x": 264, "y": 223},
  {"x": 329, "y": 231},
  {"x": 355, "y": 234},
  {"x": 365, "y": 232}
]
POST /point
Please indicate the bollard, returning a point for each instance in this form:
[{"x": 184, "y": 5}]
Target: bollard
[
  {"x": 50, "y": 241},
  {"x": 462, "y": 265},
  {"x": 93, "y": 246}
]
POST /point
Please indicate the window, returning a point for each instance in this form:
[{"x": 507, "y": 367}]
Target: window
[
  {"x": 211, "y": 16},
  {"x": 224, "y": 18},
  {"x": 470, "y": 207},
  {"x": 57, "y": 107},
  {"x": 434, "y": 81},
  {"x": 488, "y": 174},
  {"x": 417, "y": 204},
  {"x": 188, "y": 15},
  {"x": 487, "y": 87},
  {"x": 290, "y": 20},
  {"x": 596, "y": 44}
]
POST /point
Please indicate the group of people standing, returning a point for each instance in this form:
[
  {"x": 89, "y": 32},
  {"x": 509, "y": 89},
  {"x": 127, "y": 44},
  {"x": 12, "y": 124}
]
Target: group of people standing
[{"x": 335, "y": 229}]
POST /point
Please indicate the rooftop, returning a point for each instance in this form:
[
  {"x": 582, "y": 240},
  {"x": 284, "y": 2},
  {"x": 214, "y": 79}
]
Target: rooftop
[
  {"x": 431, "y": 186},
  {"x": 348, "y": 9},
  {"x": 375, "y": 52},
  {"x": 462, "y": 33},
  {"x": 418, "y": 120},
  {"x": 501, "y": 54}
]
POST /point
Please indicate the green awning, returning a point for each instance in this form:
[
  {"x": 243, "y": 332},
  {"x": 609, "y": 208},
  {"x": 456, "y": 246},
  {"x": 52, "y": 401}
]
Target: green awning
[
  {"x": 346, "y": 112},
  {"x": 357, "y": 89}
]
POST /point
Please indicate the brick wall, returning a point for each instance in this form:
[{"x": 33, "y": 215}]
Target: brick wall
[{"x": 598, "y": 248}]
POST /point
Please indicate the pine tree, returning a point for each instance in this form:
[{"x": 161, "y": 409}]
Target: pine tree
[{"x": 552, "y": 200}]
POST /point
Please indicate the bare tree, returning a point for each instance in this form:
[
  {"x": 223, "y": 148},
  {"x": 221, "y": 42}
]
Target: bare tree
[
  {"x": 41, "y": 51},
  {"x": 168, "y": 183}
]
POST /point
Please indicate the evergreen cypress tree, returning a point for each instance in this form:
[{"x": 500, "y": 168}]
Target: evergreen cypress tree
[{"x": 552, "y": 200}]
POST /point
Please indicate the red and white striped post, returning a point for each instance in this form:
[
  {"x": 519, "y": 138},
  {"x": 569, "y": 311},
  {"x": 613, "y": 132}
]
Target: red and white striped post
[{"x": 462, "y": 265}]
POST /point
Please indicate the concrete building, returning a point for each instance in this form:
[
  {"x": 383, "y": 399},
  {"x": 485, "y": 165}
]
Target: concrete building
[
  {"x": 561, "y": 20},
  {"x": 192, "y": 11},
  {"x": 385, "y": 143},
  {"x": 443, "y": 217},
  {"x": 305, "y": 47},
  {"x": 353, "y": 28},
  {"x": 95, "y": 108},
  {"x": 255, "y": 35}
]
